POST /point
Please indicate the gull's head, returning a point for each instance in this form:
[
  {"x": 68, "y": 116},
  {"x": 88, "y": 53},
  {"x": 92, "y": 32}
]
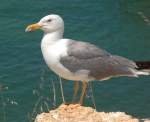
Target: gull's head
[{"x": 48, "y": 24}]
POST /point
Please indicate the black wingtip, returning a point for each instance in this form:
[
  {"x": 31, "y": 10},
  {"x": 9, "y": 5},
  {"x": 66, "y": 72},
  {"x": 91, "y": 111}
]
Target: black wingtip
[{"x": 143, "y": 65}]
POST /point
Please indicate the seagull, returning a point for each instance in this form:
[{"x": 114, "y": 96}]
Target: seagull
[{"x": 81, "y": 61}]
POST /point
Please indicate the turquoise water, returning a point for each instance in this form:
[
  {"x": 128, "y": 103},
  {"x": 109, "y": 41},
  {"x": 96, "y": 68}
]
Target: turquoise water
[{"x": 26, "y": 84}]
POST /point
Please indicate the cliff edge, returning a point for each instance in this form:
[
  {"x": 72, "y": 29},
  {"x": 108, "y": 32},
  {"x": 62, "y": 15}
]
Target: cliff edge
[{"x": 77, "y": 113}]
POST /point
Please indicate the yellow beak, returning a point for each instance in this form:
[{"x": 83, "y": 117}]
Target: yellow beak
[{"x": 33, "y": 27}]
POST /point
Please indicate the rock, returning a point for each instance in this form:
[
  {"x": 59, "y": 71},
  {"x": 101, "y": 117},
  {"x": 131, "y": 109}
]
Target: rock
[{"x": 77, "y": 113}]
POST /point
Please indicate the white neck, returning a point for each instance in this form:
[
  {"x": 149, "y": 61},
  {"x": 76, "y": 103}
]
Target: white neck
[{"x": 51, "y": 38}]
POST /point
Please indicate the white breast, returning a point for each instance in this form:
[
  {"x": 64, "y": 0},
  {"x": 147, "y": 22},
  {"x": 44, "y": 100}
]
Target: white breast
[{"x": 52, "y": 54}]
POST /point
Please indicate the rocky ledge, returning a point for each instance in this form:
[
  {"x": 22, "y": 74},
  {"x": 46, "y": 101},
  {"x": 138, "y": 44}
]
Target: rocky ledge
[{"x": 77, "y": 113}]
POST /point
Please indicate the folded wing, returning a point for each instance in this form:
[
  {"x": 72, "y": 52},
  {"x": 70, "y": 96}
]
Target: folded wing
[{"x": 98, "y": 63}]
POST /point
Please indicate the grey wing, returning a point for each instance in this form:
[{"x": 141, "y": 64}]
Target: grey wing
[
  {"x": 85, "y": 50},
  {"x": 98, "y": 63}
]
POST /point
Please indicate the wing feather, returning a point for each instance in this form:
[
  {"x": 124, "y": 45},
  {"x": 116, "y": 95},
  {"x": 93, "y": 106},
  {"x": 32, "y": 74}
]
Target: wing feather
[{"x": 99, "y": 63}]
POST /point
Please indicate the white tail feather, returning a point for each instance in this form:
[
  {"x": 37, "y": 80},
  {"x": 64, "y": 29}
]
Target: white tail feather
[{"x": 143, "y": 72}]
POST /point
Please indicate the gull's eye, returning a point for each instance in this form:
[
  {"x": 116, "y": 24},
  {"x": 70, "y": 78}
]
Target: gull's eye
[{"x": 49, "y": 20}]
